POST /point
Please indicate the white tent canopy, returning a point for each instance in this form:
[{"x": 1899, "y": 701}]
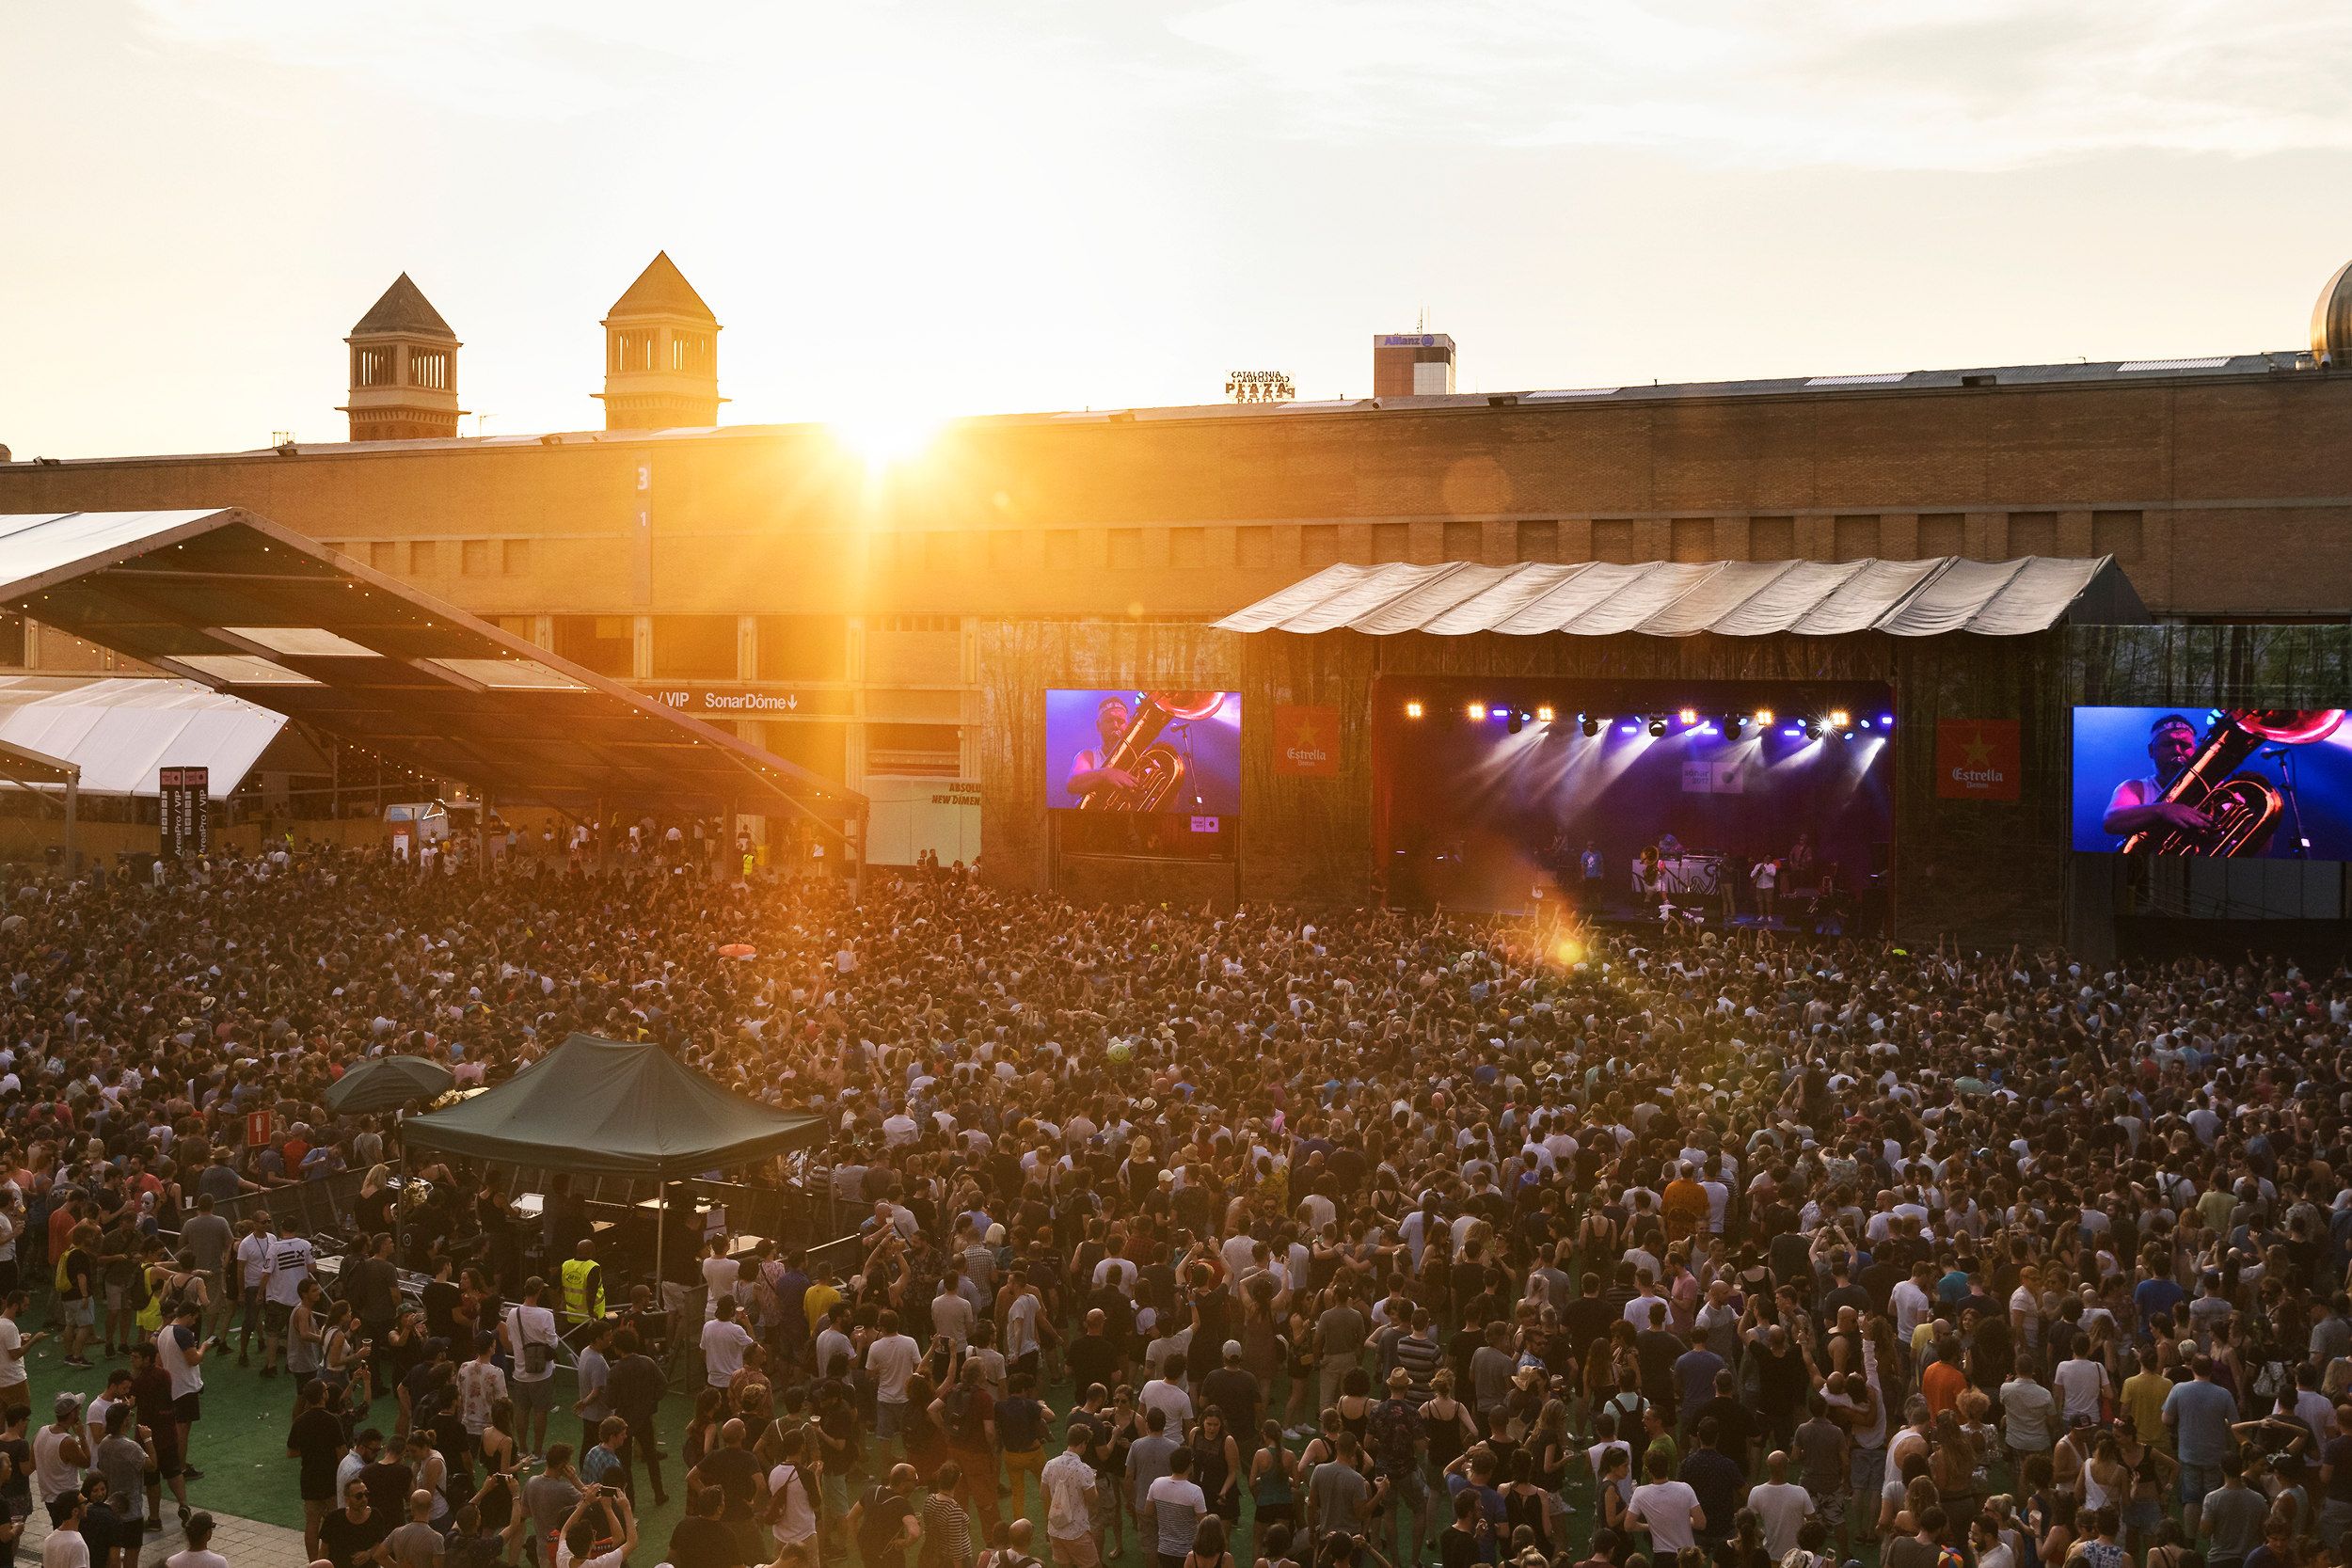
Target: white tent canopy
[
  {"x": 119, "y": 729},
  {"x": 1729, "y": 598}
]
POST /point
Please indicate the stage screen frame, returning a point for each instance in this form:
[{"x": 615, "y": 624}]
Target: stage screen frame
[
  {"x": 2301, "y": 759},
  {"x": 1199, "y": 730}
]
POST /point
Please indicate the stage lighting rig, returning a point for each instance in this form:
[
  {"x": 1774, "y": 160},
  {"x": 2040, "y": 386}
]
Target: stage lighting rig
[
  {"x": 1657, "y": 727},
  {"x": 1544, "y": 715},
  {"x": 1413, "y": 709},
  {"x": 1517, "y": 722},
  {"x": 1590, "y": 724}
]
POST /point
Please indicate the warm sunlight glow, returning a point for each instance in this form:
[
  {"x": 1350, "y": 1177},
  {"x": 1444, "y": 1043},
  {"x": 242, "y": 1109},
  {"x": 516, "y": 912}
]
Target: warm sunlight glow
[{"x": 885, "y": 438}]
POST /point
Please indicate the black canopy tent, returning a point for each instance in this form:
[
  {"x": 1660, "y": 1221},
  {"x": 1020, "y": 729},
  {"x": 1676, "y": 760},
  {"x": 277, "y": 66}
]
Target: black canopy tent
[{"x": 612, "y": 1107}]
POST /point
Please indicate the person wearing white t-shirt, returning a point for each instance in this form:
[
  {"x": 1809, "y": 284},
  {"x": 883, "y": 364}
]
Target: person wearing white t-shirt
[
  {"x": 892, "y": 1359},
  {"x": 2081, "y": 1385},
  {"x": 1669, "y": 1509},
  {"x": 724, "y": 1340},
  {"x": 531, "y": 1335},
  {"x": 199, "y": 1552},
  {"x": 722, "y": 1276}
]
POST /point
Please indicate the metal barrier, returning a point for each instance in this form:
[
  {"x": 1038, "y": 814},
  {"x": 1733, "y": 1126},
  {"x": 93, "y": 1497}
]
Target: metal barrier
[{"x": 302, "y": 1208}]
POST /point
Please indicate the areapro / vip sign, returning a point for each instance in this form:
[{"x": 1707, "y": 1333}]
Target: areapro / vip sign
[{"x": 709, "y": 700}]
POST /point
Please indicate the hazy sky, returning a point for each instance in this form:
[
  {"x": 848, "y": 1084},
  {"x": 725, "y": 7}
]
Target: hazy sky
[{"x": 1020, "y": 204}]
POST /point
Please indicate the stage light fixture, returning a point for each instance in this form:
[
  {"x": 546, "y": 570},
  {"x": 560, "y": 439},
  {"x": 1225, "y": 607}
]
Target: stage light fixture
[
  {"x": 1841, "y": 720},
  {"x": 1813, "y": 729},
  {"x": 1886, "y": 720},
  {"x": 1657, "y": 727},
  {"x": 1518, "y": 722},
  {"x": 1862, "y": 723},
  {"x": 1732, "y": 723},
  {"x": 1412, "y": 709},
  {"x": 1763, "y": 716},
  {"x": 1794, "y": 732},
  {"x": 1544, "y": 714},
  {"x": 1688, "y": 716},
  {"x": 1477, "y": 712},
  {"x": 1630, "y": 727},
  {"x": 1592, "y": 726}
]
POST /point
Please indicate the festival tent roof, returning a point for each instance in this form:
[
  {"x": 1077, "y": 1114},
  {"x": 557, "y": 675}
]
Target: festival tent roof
[
  {"x": 599, "y": 1105},
  {"x": 118, "y": 730},
  {"x": 1728, "y": 598},
  {"x": 238, "y": 604}
]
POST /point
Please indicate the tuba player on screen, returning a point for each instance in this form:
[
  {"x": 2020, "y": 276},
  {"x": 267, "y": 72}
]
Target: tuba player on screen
[
  {"x": 2142, "y": 804},
  {"x": 1095, "y": 771}
]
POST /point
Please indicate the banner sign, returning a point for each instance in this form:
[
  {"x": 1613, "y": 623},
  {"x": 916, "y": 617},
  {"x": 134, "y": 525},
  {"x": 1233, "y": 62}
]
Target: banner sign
[
  {"x": 1976, "y": 759},
  {"x": 1307, "y": 742},
  {"x": 184, "y": 809}
]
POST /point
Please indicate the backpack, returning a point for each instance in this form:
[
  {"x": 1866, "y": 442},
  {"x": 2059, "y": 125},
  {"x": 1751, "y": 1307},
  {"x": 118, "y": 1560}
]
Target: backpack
[{"x": 967, "y": 1425}]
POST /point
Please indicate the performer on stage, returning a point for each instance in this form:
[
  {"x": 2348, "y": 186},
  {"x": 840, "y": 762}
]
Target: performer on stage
[
  {"x": 2140, "y": 804},
  {"x": 1087, "y": 773}
]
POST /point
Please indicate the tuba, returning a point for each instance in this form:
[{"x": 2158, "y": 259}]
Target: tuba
[
  {"x": 2243, "y": 807},
  {"x": 1158, "y": 769}
]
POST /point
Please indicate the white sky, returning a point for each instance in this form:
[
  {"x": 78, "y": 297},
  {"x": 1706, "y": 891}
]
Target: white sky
[{"x": 1026, "y": 204}]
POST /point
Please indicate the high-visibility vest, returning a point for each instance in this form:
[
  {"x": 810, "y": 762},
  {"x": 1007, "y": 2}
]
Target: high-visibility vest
[{"x": 578, "y": 1307}]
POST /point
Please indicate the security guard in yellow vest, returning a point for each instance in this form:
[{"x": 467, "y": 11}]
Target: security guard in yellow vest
[{"x": 584, "y": 1284}]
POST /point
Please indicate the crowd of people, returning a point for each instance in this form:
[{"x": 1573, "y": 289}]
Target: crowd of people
[{"x": 1196, "y": 1240}]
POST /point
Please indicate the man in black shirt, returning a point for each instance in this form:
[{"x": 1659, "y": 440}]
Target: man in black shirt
[
  {"x": 883, "y": 1521},
  {"x": 316, "y": 1438},
  {"x": 1234, "y": 1390},
  {"x": 734, "y": 1471},
  {"x": 702, "y": 1538},
  {"x": 1094, "y": 1356},
  {"x": 354, "y": 1529},
  {"x": 635, "y": 1389}
]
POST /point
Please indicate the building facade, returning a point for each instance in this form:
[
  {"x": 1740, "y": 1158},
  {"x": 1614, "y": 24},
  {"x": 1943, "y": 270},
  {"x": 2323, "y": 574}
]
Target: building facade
[{"x": 771, "y": 578}]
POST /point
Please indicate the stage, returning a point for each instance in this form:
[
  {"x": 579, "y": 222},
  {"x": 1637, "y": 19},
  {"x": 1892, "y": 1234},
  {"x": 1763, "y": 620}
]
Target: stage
[{"x": 1740, "y": 803}]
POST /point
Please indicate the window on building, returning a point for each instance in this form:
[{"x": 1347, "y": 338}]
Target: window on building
[
  {"x": 1253, "y": 545},
  {"x": 384, "y": 554},
  {"x": 914, "y": 751},
  {"x": 424, "y": 556},
  {"x": 1187, "y": 547},
  {"x": 604, "y": 644},
  {"x": 1772, "y": 538},
  {"x": 370, "y": 367},
  {"x": 804, "y": 647},
  {"x": 689, "y": 351},
  {"x": 1465, "y": 540},
  {"x": 518, "y": 557},
  {"x": 2116, "y": 533},
  {"x": 1319, "y": 544},
  {"x": 524, "y": 626},
  {"x": 474, "y": 556},
  {"x": 632, "y": 349},
  {"x": 694, "y": 647},
  {"x": 1942, "y": 533},
  {"x": 1069, "y": 547},
  {"x": 821, "y": 746},
  {"x": 429, "y": 368},
  {"x": 1007, "y": 548},
  {"x": 11, "y": 639},
  {"x": 1692, "y": 539},
  {"x": 1617, "y": 539},
  {"x": 1128, "y": 549},
  {"x": 1853, "y": 538},
  {"x": 1391, "y": 541},
  {"x": 1539, "y": 542},
  {"x": 2032, "y": 533}
]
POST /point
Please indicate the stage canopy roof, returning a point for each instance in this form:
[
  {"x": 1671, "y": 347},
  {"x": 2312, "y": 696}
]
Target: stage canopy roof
[
  {"x": 118, "y": 730},
  {"x": 1729, "y": 598},
  {"x": 241, "y": 605},
  {"x": 599, "y": 1105}
]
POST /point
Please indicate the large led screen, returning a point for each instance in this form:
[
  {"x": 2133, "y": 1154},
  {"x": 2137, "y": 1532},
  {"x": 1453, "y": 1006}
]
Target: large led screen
[
  {"x": 1172, "y": 752},
  {"x": 2245, "y": 783}
]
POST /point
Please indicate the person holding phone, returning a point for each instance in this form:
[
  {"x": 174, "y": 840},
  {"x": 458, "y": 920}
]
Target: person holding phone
[{"x": 601, "y": 1532}]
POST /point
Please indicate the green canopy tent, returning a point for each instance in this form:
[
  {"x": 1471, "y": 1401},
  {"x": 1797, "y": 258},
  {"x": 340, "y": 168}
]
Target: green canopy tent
[
  {"x": 611, "y": 1107},
  {"x": 386, "y": 1082}
]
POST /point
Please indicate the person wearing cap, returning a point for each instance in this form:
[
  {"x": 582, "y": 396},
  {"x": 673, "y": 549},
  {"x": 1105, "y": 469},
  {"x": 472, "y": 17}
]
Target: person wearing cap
[{"x": 1235, "y": 1390}]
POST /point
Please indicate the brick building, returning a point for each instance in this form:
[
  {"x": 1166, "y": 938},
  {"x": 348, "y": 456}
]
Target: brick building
[{"x": 832, "y": 610}]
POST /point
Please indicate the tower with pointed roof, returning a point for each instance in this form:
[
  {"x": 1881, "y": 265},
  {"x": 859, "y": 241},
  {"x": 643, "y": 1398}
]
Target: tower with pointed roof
[
  {"x": 403, "y": 370},
  {"x": 661, "y": 355}
]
